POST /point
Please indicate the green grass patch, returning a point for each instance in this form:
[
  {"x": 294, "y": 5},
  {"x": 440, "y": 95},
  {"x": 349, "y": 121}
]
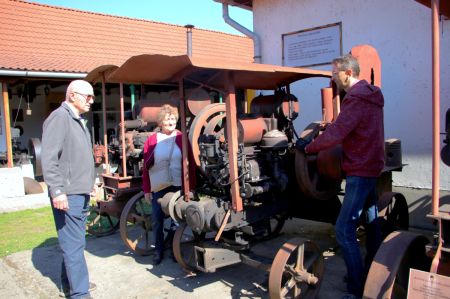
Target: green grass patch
[{"x": 28, "y": 229}]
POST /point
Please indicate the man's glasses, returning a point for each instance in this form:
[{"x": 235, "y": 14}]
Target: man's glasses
[{"x": 87, "y": 97}]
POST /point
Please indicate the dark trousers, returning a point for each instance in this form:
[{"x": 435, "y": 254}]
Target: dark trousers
[
  {"x": 158, "y": 218},
  {"x": 71, "y": 229}
]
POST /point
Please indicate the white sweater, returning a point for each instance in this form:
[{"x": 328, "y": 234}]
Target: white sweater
[{"x": 165, "y": 173}]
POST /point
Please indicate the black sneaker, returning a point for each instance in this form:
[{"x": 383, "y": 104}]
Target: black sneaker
[
  {"x": 157, "y": 258},
  {"x": 64, "y": 292}
]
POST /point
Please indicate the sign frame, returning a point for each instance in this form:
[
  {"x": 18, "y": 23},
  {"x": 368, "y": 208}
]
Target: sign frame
[{"x": 316, "y": 40}]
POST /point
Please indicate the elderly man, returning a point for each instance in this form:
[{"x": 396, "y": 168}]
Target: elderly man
[{"x": 68, "y": 168}]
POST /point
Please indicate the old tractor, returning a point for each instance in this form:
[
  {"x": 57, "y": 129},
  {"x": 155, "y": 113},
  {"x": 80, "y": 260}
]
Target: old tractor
[{"x": 251, "y": 178}]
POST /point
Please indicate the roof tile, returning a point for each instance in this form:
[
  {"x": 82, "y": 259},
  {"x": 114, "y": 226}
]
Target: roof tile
[{"x": 38, "y": 37}]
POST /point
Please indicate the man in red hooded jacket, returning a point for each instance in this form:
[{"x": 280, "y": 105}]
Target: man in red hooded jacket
[{"x": 359, "y": 128}]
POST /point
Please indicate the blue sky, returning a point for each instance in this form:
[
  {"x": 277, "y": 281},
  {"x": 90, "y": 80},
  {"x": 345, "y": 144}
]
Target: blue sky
[{"x": 205, "y": 14}]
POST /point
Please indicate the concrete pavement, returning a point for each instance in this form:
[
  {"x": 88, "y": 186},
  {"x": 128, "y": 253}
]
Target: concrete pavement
[{"x": 120, "y": 274}]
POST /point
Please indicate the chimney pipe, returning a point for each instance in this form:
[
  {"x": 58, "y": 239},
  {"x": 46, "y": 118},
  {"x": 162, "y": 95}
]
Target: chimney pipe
[{"x": 189, "y": 38}]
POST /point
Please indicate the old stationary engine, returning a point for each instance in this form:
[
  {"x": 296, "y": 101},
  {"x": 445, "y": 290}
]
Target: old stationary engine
[{"x": 265, "y": 162}]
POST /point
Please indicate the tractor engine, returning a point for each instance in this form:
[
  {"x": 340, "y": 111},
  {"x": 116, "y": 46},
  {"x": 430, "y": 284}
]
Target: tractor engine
[
  {"x": 259, "y": 163},
  {"x": 264, "y": 163},
  {"x": 136, "y": 133}
]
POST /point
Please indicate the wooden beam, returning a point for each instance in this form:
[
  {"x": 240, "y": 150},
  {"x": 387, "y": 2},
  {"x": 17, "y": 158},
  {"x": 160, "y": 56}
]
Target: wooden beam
[{"x": 7, "y": 124}]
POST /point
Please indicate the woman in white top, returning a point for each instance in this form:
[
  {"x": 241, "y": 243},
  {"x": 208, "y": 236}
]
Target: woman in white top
[{"x": 162, "y": 171}]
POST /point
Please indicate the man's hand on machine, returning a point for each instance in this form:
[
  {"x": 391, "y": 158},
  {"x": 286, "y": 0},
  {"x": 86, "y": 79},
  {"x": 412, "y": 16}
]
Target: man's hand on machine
[{"x": 301, "y": 143}]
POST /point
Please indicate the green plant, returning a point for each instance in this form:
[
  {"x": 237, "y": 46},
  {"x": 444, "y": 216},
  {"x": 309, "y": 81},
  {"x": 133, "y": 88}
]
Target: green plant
[{"x": 24, "y": 230}]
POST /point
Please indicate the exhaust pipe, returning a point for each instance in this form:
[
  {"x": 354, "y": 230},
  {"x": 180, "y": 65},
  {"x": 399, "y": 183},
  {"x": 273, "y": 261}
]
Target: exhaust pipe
[{"x": 189, "y": 38}]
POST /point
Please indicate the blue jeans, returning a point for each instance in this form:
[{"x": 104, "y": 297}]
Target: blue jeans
[
  {"x": 158, "y": 218},
  {"x": 360, "y": 195},
  {"x": 71, "y": 229}
]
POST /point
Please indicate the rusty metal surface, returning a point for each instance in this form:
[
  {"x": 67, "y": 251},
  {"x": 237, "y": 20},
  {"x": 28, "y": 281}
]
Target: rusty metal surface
[
  {"x": 369, "y": 62},
  {"x": 149, "y": 111},
  {"x": 268, "y": 105},
  {"x": 327, "y": 104},
  {"x": 393, "y": 212},
  {"x": 197, "y": 99},
  {"x": 183, "y": 244},
  {"x": 166, "y": 69},
  {"x": 135, "y": 225},
  {"x": 389, "y": 272},
  {"x": 198, "y": 125},
  {"x": 251, "y": 130},
  {"x": 329, "y": 163},
  {"x": 31, "y": 186},
  {"x": 296, "y": 271},
  {"x": 232, "y": 141},
  {"x": 309, "y": 179}
]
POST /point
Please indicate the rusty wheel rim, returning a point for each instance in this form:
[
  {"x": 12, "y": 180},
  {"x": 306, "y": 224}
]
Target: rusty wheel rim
[
  {"x": 100, "y": 224},
  {"x": 215, "y": 125},
  {"x": 296, "y": 271},
  {"x": 198, "y": 125},
  {"x": 183, "y": 245},
  {"x": 135, "y": 225},
  {"x": 389, "y": 272}
]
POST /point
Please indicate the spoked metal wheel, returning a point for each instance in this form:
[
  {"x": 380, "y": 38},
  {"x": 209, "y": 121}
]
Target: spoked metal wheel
[
  {"x": 100, "y": 223},
  {"x": 389, "y": 272},
  {"x": 136, "y": 225},
  {"x": 183, "y": 245},
  {"x": 296, "y": 271},
  {"x": 393, "y": 212}
]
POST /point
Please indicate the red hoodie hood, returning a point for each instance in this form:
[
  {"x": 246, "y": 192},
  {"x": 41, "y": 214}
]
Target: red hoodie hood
[{"x": 366, "y": 92}]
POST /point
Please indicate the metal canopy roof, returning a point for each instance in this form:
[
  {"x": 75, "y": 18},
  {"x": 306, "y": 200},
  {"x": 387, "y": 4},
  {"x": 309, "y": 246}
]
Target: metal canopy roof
[
  {"x": 444, "y": 6},
  {"x": 163, "y": 69}
]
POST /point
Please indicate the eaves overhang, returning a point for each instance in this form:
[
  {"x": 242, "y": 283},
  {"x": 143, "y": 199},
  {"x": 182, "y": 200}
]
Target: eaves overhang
[{"x": 245, "y": 4}]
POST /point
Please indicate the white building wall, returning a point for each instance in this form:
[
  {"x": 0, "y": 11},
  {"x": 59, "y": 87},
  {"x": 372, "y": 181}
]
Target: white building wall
[{"x": 400, "y": 30}]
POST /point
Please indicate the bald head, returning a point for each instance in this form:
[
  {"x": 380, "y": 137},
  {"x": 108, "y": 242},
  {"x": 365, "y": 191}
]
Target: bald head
[
  {"x": 80, "y": 95},
  {"x": 79, "y": 86}
]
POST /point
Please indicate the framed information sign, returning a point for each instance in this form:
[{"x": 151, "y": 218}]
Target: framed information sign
[
  {"x": 314, "y": 46},
  {"x": 426, "y": 285}
]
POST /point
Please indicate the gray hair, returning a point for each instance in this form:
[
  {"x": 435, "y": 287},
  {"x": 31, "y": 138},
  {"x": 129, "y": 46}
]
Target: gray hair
[{"x": 347, "y": 62}]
